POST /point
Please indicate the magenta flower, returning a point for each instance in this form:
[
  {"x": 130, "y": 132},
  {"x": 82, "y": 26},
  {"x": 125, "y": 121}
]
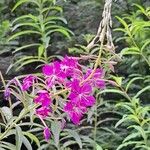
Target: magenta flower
[
  {"x": 47, "y": 133},
  {"x": 68, "y": 66},
  {"x": 53, "y": 73},
  {"x": 53, "y": 68},
  {"x": 75, "y": 112},
  {"x": 97, "y": 79},
  {"x": 7, "y": 93},
  {"x": 43, "y": 98},
  {"x": 81, "y": 94},
  {"x": 43, "y": 111},
  {"x": 28, "y": 82}
]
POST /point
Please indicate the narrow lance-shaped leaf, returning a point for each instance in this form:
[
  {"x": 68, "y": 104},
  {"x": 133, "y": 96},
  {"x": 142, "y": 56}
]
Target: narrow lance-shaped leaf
[
  {"x": 21, "y": 2},
  {"x": 19, "y": 136},
  {"x": 24, "y": 17},
  {"x": 32, "y": 137},
  {"x": 76, "y": 136},
  {"x": 23, "y": 33},
  {"x": 142, "y": 91}
]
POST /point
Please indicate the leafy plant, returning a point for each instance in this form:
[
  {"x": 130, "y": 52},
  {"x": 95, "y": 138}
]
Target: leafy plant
[
  {"x": 42, "y": 23},
  {"x": 135, "y": 33}
]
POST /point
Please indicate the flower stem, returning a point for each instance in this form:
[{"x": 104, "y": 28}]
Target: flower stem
[{"x": 95, "y": 125}]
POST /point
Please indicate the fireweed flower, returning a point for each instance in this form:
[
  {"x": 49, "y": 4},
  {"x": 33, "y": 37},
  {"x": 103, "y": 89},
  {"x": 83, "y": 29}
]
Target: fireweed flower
[
  {"x": 97, "y": 78},
  {"x": 43, "y": 98},
  {"x": 28, "y": 82},
  {"x": 53, "y": 73},
  {"x": 7, "y": 93},
  {"x": 43, "y": 112},
  {"x": 68, "y": 65},
  {"x": 81, "y": 94},
  {"x": 75, "y": 111},
  {"x": 45, "y": 101},
  {"x": 47, "y": 133}
]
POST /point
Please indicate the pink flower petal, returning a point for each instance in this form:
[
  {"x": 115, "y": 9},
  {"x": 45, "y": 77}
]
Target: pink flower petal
[{"x": 47, "y": 133}]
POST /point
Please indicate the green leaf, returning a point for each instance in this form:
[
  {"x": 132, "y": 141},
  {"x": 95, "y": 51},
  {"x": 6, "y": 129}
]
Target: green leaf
[
  {"x": 120, "y": 29},
  {"x": 21, "y": 2},
  {"x": 56, "y": 8},
  {"x": 124, "y": 118},
  {"x": 23, "y": 33},
  {"x": 56, "y": 129},
  {"x": 98, "y": 147},
  {"x": 68, "y": 143},
  {"x": 7, "y": 113},
  {"x": 125, "y": 25},
  {"x": 141, "y": 91},
  {"x": 132, "y": 80},
  {"x": 131, "y": 136},
  {"x": 18, "y": 138},
  {"x": 26, "y": 24},
  {"x": 113, "y": 91},
  {"x": 130, "y": 51},
  {"x": 26, "y": 143},
  {"x": 143, "y": 146},
  {"x": 75, "y": 50},
  {"x": 40, "y": 51},
  {"x": 26, "y": 46},
  {"x": 145, "y": 121},
  {"x": 133, "y": 118},
  {"x": 29, "y": 16},
  {"x": 62, "y": 31},
  {"x": 29, "y": 61},
  {"x": 32, "y": 137},
  {"x": 147, "y": 42},
  {"x": 11, "y": 132},
  {"x": 7, "y": 146},
  {"x": 117, "y": 79},
  {"x": 140, "y": 130},
  {"x": 140, "y": 8},
  {"x": 76, "y": 136},
  {"x": 128, "y": 143},
  {"x": 127, "y": 107},
  {"x": 56, "y": 19},
  {"x": 26, "y": 60}
]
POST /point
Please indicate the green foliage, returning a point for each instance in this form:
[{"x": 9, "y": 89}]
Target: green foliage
[
  {"x": 4, "y": 45},
  {"x": 136, "y": 87},
  {"x": 136, "y": 32},
  {"x": 138, "y": 122},
  {"x": 41, "y": 24}
]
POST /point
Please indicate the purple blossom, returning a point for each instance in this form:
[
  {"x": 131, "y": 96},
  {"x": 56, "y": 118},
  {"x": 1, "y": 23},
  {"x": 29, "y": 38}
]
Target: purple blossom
[
  {"x": 97, "y": 79},
  {"x": 53, "y": 73},
  {"x": 7, "y": 93},
  {"x": 75, "y": 112},
  {"x": 69, "y": 66},
  {"x": 47, "y": 133},
  {"x": 43, "y": 98},
  {"x": 28, "y": 82},
  {"x": 43, "y": 111},
  {"x": 81, "y": 94}
]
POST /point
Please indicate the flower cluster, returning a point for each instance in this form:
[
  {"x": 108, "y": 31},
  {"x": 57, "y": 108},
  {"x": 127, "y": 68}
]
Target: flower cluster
[{"x": 69, "y": 75}]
